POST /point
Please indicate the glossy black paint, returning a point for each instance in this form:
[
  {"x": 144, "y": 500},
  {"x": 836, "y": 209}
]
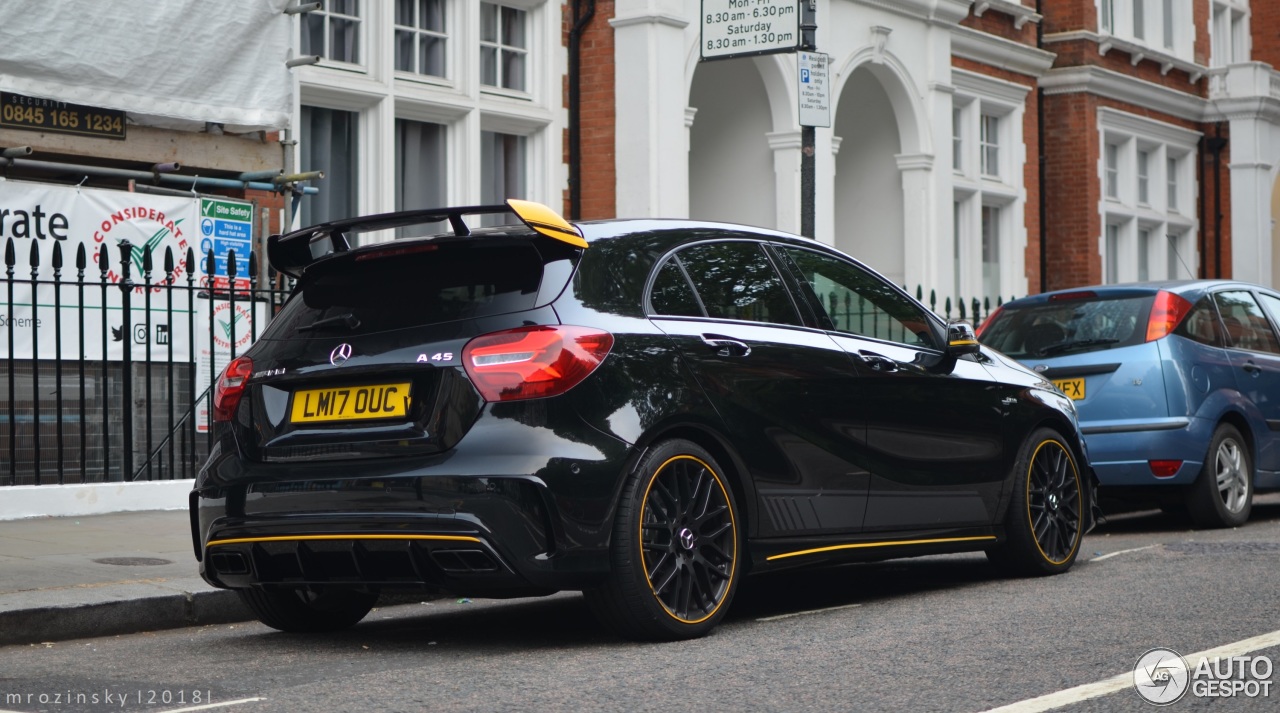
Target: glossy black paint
[{"x": 827, "y": 438}]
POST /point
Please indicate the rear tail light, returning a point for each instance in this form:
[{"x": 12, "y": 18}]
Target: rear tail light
[
  {"x": 1167, "y": 313},
  {"x": 226, "y": 396},
  {"x": 533, "y": 362},
  {"x": 1164, "y": 468}
]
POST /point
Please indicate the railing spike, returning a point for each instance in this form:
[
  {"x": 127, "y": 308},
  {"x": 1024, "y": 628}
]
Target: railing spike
[
  {"x": 10, "y": 259},
  {"x": 168, "y": 261},
  {"x": 57, "y": 256},
  {"x": 34, "y": 259},
  {"x": 81, "y": 257},
  {"x": 231, "y": 264}
]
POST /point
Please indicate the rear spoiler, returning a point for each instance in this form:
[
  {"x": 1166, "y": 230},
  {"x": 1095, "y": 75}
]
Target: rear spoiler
[{"x": 291, "y": 253}]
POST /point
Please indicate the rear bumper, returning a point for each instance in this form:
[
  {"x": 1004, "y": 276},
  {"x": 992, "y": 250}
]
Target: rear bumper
[
  {"x": 1120, "y": 451},
  {"x": 495, "y": 516}
]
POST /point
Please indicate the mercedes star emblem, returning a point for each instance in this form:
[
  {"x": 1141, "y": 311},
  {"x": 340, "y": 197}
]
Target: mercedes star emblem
[{"x": 340, "y": 354}]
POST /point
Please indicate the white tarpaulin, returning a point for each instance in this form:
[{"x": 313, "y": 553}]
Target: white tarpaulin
[{"x": 195, "y": 60}]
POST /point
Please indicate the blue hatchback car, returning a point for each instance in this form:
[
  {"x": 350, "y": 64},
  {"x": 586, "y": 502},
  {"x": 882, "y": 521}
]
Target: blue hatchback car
[{"x": 1177, "y": 385}]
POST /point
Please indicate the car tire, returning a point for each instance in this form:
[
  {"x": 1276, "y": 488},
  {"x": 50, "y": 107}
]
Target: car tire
[
  {"x": 1045, "y": 521},
  {"x": 676, "y": 552},
  {"x": 308, "y": 610},
  {"x": 1222, "y": 495}
]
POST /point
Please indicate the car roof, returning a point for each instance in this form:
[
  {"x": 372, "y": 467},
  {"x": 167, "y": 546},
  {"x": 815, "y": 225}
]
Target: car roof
[{"x": 1188, "y": 289}]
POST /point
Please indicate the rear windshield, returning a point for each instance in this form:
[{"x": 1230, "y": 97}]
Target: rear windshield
[
  {"x": 448, "y": 282},
  {"x": 1055, "y": 328}
]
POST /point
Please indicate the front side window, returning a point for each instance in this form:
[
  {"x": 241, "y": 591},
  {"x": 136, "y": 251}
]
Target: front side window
[
  {"x": 420, "y": 37},
  {"x": 1246, "y": 326},
  {"x": 333, "y": 31},
  {"x": 504, "y": 48},
  {"x": 856, "y": 302},
  {"x": 736, "y": 280},
  {"x": 328, "y": 141}
]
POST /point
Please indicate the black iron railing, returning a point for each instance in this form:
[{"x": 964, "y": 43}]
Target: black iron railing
[{"x": 122, "y": 394}]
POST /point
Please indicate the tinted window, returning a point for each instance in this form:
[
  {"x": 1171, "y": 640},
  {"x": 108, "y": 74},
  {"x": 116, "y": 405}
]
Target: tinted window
[
  {"x": 1202, "y": 324},
  {"x": 1246, "y": 326},
  {"x": 1068, "y": 326},
  {"x": 856, "y": 302},
  {"x": 672, "y": 293},
  {"x": 737, "y": 281},
  {"x": 397, "y": 291}
]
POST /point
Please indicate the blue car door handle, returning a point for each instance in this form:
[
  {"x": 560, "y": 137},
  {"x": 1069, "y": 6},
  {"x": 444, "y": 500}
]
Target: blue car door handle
[
  {"x": 724, "y": 346},
  {"x": 1252, "y": 368}
]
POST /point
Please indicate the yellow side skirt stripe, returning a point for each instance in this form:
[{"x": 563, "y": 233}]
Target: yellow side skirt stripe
[
  {"x": 285, "y": 538},
  {"x": 864, "y": 545}
]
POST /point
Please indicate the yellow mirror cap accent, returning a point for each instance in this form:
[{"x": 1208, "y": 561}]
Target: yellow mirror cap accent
[
  {"x": 547, "y": 222},
  {"x": 962, "y": 342}
]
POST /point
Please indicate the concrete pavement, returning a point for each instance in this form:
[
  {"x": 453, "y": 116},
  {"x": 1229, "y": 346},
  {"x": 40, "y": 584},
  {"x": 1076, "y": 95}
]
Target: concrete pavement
[{"x": 99, "y": 575}]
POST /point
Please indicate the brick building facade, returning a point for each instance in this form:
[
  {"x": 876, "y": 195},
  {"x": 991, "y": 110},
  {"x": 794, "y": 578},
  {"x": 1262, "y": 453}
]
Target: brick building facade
[{"x": 980, "y": 148}]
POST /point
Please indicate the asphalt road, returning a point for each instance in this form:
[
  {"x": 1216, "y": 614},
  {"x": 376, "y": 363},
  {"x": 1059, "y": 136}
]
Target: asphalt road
[{"x": 931, "y": 634}]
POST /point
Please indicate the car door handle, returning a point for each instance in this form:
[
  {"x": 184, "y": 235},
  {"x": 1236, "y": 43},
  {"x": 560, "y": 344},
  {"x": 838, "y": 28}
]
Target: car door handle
[
  {"x": 877, "y": 362},
  {"x": 1252, "y": 368},
  {"x": 724, "y": 346}
]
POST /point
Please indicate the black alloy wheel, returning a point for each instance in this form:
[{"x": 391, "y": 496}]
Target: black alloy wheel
[
  {"x": 1045, "y": 523},
  {"x": 676, "y": 548}
]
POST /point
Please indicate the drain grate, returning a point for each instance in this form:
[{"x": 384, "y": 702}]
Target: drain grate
[
  {"x": 133, "y": 561},
  {"x": 1224, "y": 548}
]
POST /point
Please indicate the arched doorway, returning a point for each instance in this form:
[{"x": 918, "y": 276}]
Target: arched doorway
[
  {"x": 731, "y": 167},
  {"x": 868, "y": 184}
]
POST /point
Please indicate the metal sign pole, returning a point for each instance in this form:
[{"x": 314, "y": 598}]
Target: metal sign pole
[{"x": 808, "y": 181}]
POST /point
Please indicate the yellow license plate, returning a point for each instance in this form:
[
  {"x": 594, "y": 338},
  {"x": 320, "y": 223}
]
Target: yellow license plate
[
  {"x": 1073, "y": 388},
  {"x": 350, "y": 403}
]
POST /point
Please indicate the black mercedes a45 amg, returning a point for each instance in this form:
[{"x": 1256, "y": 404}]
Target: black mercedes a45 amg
[{"x": 643, "y": 410}]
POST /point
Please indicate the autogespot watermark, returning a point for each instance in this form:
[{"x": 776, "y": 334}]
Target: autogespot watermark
[{"x": 1163, "y": 676}]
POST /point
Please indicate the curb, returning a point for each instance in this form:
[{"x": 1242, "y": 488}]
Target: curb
[{"x": 128, "y": 616}]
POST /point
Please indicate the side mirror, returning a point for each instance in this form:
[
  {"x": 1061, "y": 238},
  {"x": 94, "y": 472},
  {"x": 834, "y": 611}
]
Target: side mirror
[{"x": 961, "y": 339}]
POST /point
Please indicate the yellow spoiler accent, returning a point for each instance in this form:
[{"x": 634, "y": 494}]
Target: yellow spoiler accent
[{"x": 547, "y": 222}]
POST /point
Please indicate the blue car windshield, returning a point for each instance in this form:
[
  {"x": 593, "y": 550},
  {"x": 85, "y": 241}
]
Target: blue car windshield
[{"x": 1068, "y": 327}]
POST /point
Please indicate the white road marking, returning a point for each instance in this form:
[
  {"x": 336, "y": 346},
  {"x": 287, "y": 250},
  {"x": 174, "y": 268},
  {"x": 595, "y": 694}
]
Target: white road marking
[
  {"x": 1125, "y": 680},
  {"x": 1109, "y": 555},
  {"x": 806, "y": 613},
  {"x": 211, "y": 706}
]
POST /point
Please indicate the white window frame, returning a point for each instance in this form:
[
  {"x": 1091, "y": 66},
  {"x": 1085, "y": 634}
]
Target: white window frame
[
  {"x": 1125, "y": 217},
  {"x": 361, "y": 35},
  {"x": 1120, "y": 18},
  {"x": 381, "y": 95},
  {"x": 500, "y": 48},
  {"x": 447, "y": 34},
  {"x": 1229, "y": 32},
  {"x": 976, "y": 96}
]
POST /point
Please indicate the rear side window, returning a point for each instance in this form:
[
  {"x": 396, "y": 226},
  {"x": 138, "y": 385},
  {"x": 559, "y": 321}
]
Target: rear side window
[
  {"x": 1053, "y": 328},
  {"x": 672, "y": 294},
  {"x": 736, "y": 280},
  {"x": 451, "y": 282},
  {"x": 1246, "y": 326},
  {"x": 1202, "y": 324}
]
